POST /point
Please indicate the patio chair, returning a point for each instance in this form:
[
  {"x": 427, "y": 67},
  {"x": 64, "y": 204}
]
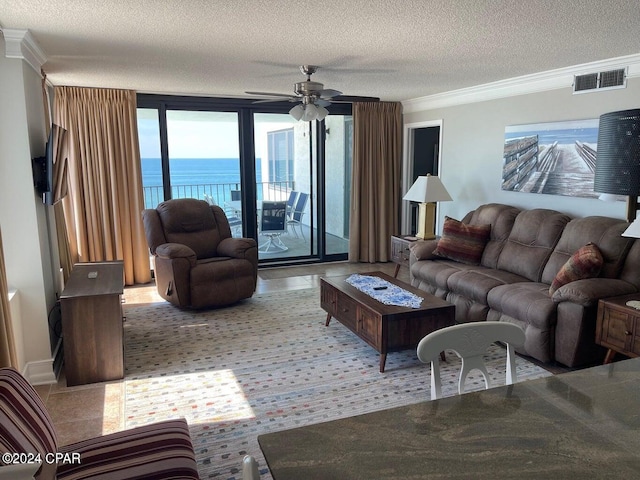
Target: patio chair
[
  {"x": 234, "y": 217},
  {"x": 293, "y": 195},
  {"x": 295, "y": 216},
  {"x": 470, "y": 342},
  {"x": 273, "y": 223}
]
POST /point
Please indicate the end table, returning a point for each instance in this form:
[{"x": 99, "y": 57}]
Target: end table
[
  {"x": 400, "y": 251},
  {"x": 618, "y": 326}
]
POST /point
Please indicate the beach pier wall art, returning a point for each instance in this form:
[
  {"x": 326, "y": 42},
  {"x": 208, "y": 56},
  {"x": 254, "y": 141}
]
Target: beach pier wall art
[{"x": 557, "y": 158}]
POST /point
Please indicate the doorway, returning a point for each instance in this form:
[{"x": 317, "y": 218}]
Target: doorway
[{"x": 422, "y": 157}]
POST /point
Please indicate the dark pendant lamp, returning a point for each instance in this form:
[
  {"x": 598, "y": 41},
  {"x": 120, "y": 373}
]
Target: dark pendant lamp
[{"x": 618, "y": 157}]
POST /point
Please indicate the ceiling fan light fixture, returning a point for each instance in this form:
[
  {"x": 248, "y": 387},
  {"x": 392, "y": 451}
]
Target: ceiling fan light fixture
[
  {"x": 297, "y": 112},
  {"x": 310, "y": 112},
  {"x": 322, "y": 112}
]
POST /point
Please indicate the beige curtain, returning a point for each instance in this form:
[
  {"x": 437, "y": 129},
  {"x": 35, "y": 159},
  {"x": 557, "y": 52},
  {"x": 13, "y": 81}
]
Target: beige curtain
[
  {"x": 375, "y": 186},
  {"x": 8, "y": 356},
  {"x": 103, "y": 208}
]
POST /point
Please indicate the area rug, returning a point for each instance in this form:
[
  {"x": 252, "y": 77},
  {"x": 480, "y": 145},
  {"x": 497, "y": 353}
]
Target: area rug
[{"x": 263, "y": 365}]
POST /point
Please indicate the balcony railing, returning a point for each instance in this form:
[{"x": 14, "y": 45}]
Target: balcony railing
[{"x": 220, "y": 192}]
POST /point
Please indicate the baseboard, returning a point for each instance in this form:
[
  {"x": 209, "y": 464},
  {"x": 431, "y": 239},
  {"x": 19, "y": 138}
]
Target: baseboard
[{"x": 40, "y": 372}]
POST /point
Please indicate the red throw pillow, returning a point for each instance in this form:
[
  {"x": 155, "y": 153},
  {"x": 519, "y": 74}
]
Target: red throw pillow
[
  {"x": 462, "y": 242},
  {"x": 585, "y": 263}
]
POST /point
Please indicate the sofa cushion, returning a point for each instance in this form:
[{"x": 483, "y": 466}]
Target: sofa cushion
[
  {"x": 461, "y": 242},
  {"x": 605, "y": 232},
  {"x": 161, "y": 450},
  {"x": 476, "y": 283},
  {"x": 534, "y": 235},
  {"x": 501, "y": 218},
  {"x": 585, "y": 263},
  {"x": 423, "y": 249},
  {"x": 431, "y": 276},
  {"x": 193, "y": 223},
  {"x": 529, "y": 302}
]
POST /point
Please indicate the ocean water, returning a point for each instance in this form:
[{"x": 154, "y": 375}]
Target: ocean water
[
  {"x": 194, "y": 171},
  {"x": 193, "y": 177}
]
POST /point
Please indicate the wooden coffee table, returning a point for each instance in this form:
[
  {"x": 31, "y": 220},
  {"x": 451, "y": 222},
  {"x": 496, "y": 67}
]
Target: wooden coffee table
[{"x": 386, "y": 328}]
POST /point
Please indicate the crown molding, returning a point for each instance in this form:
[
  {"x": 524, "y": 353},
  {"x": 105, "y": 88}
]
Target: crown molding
[
  {"x": 534, "y": 83},
  {"x": 19, "y": 43}
]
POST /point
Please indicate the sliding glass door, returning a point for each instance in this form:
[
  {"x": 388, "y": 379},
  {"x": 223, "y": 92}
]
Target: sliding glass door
[
  {"x": 338, "y": 150},
  {"x": 246, "y": 157},
  {"x": 283, "y": 158}
]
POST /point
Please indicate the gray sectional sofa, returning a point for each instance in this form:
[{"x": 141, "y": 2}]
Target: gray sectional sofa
[{"x": 524, "y": 252}]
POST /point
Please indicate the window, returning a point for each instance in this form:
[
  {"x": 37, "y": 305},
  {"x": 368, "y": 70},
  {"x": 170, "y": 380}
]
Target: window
[
  {"x": 281, "y": 155},
  {"x": 213, "y": 148}
]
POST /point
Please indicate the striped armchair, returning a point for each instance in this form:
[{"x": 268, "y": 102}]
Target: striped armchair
[{"x": 159, "y": 451}]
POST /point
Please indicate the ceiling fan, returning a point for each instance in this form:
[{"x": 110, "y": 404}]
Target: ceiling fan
[{"x": 313, "y": 97}]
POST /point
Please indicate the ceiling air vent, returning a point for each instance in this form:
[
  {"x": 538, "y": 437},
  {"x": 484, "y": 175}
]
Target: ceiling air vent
[{"x": 591, "y": 82}]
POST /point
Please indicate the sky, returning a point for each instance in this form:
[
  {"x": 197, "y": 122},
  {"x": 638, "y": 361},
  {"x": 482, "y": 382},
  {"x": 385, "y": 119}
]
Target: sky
[{"x": 201, "y": 134}]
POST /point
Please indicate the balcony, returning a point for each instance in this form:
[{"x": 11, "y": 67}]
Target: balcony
[{"x": 299, "y": 244}]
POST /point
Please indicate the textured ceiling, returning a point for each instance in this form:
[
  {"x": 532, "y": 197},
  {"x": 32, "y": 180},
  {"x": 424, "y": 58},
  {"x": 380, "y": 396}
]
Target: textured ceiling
[{"x": 396, "y": 50}]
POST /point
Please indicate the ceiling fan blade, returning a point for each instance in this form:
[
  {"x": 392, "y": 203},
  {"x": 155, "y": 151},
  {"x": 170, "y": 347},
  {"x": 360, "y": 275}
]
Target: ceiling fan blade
[
  {"x": 329, "y": 93},
  {"x": 272, "y": 100},
  {"x": 322, "y": 102},
  {"x": 270, "y": 94},
  {"x": 353, "y": 99}
]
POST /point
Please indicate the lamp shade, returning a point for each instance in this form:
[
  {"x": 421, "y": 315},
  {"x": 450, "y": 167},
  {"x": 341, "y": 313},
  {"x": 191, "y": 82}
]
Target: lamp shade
[
  {"x": 427, "y": 189},
  {"x": 310, "y": 112},
  {"x": 297, "y": 112},
  {"x": 618, "y": 155},
  {"x": 322, "y": 112},
  {"x": 633, "y": 230}
]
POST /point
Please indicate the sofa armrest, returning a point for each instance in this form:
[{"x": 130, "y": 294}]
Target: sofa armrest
[
  {"x": 245, "y": 248},
  {"x": 423, "y": 249},
  {"x": 587, "y": 292},
  {"x": 170, "y": 251}
]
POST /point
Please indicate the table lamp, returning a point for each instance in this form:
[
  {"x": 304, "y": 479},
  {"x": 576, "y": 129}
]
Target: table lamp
[
  {"x": 633, "y": 230},
  {"x": 427, "y": 190},
  {"x": 618, "y": 157}
]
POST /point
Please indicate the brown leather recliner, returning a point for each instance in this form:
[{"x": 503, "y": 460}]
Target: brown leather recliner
[{"x": 197, "y": 262}]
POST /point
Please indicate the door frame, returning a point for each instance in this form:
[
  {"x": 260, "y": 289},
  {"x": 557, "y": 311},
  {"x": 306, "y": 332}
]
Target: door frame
[{"x": 407, "y": 167}]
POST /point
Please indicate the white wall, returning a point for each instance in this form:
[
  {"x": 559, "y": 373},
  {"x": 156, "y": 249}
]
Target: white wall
[
  {"x": 23, "y": 218},
  {"x": 473, "y": 140}
]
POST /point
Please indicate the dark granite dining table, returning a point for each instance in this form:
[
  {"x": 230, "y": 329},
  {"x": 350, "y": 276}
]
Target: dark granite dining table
[{"x": 581, "y": 424}]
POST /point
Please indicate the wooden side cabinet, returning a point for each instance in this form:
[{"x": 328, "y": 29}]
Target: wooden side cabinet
[
  {"x": 92, "y": 331},
  {"x": 400, "y": 251},
  {"x": 618, "y": 326}
]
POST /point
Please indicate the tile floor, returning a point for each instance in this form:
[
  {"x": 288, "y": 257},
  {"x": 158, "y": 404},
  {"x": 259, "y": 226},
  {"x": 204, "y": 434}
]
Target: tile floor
[{"x": 87, "y": 411}]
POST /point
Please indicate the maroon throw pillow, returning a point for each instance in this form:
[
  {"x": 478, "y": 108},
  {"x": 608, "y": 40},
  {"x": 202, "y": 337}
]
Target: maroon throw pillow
[
  {"x": 585, "y": 263},
  {"x": 462, "y": 242}
]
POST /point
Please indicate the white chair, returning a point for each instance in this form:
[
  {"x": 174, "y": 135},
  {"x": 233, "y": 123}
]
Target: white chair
[
  {"x": 470, "y": 342},
  {"x": 209, "y": 199},
  {"x": 250, "y": 468}
]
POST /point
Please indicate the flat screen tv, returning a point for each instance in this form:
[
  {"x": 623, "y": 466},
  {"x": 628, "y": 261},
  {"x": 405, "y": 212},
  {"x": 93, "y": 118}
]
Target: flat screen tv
[{"x": 50, "y": 171}]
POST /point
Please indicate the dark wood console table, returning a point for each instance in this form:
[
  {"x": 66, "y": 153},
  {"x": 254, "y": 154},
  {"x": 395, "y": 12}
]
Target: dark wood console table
[{"x": 92, "y": 323}]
